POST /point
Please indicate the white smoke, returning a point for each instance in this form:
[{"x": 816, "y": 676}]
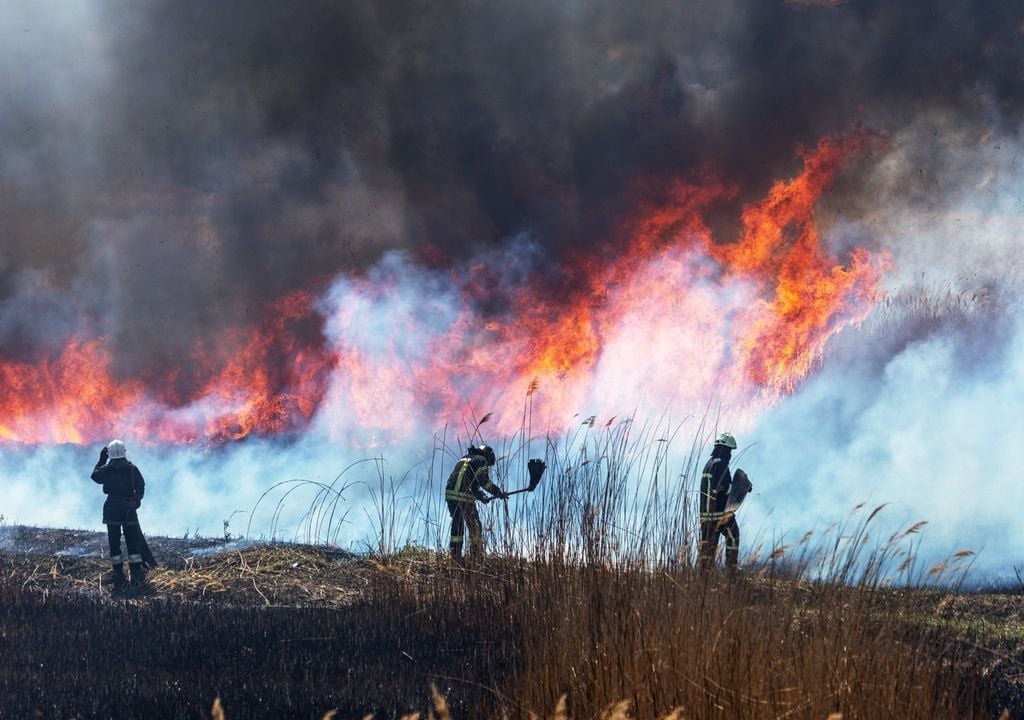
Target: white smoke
[
  {"x": 195, "y": 491},
  {"x": 935, "y": 443},
  {"x": 920, "y": 407}
]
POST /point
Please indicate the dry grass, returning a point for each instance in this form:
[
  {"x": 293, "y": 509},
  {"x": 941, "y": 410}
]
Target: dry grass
[
  {"x": 277, "y": 575},
  {"x": 272, "y": 575},
  {"x": 616, "y": 711}
]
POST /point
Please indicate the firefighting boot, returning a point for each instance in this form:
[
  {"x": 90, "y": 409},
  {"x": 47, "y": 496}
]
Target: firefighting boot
[
  {"x": 120, "y": 581},
  {"x": 732, "y": 560},
  {"x": 455, "y": 549},
  {"x": 138, "y": 571},
  {"x": 476, "y": 551},
  {"x": 705, "y": 558}
]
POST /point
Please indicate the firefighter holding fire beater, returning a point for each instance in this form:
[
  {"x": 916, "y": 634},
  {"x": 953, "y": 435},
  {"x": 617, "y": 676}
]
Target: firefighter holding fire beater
[
  {"x": 124, "y": 487},
  {"x": 717, "y": 514},
  {"x": 465, "y": 486}
]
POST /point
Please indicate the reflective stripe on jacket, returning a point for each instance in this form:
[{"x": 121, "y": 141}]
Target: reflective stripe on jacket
[
  {"x": 715, "y": 482},
  {"x": 469, "y": 476}
]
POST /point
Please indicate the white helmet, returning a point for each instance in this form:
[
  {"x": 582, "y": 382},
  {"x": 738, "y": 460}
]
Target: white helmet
[
  {"x": 116, "y": 449},
  {"x": 724, "y": 439}
]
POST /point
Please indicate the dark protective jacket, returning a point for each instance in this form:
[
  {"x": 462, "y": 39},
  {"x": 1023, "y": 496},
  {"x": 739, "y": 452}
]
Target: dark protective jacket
[
  {"x": 469, "y": 479},
  {"x": 715, "y": 483},
  {"x": 124, "y": 487}
]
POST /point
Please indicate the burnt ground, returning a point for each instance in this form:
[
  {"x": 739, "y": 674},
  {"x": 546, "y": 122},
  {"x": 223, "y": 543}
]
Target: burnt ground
[
  {"x": 234, "y": 587},
  {"x": 275, "y": 631},
  {"x": 190, "y": 569}
]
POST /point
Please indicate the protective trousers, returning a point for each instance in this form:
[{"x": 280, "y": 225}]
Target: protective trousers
[
  {"x": 134, "y": 556},
  {"x": 131, "y": 540},
  {"x": 709, "y": 532},
  {"x": 464, "y": 515}
]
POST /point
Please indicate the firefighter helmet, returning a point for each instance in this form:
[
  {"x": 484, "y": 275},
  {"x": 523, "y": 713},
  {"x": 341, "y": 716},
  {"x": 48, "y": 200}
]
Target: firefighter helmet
[
  {"x": 116, "y": 449},
  {"x": 484, "y": 451},
  {"x": 726, "y": 439}
]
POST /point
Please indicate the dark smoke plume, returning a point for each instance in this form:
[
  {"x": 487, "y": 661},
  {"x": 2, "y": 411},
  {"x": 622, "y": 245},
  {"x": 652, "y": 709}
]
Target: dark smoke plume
[{"x": 170, "y": 167}]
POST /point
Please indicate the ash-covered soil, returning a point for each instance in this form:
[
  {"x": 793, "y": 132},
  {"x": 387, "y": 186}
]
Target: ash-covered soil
[
  {"x": 238, "y": 572},
  {"x": 64, "y": 542},
  {"x": 274, "y": 630}
]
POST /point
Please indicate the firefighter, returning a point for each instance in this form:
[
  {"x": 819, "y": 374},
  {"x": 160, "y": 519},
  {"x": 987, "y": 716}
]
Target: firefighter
[
  {"x": 466, "y": 485},
  {"x": 124, "y": 487},
  {"x": 715, "y": 483}
]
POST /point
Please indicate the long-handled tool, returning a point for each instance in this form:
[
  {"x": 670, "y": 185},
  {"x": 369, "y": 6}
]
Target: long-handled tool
[
  {"x": 536, "y": 468},
  {"x": 145, "y": 552}
]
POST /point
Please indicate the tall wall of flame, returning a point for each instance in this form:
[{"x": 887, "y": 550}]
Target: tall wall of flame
[{"x": 361, "y": 222}]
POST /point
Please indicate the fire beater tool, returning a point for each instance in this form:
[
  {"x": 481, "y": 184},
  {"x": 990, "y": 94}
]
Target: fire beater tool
[
  {"x": 536, "y": 468},
  {"x": 741, "y": 485},
  {"x": 145, "y": 552}
]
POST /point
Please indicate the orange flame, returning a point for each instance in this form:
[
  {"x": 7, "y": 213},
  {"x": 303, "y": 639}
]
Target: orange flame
[
  {"x": 799, "y": 296},
  {"x": 807, "y": 294},
  {"x": 62, "y": 399},
  {"x": 271, "y": 383},
  {"x": 666, "y": 319},
  {"x": 661, "y": 311}
]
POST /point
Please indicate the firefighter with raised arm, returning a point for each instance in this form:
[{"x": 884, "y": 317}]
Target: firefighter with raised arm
[
  {"x": 465, "y": 486},
  {"x": 717, "y": 517},
  {"x": 124, "y": 487}
]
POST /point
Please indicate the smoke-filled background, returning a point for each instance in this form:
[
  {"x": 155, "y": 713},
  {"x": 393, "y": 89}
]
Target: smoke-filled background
[{"x": 262, "y": 240}]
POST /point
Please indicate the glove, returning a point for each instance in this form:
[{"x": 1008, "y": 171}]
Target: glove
[
  {"x": 484, "y": 500},
  {"x": 724, "y": 520},
  {"x": 536, "y": 468},
  {"x": 133, "y": 504},
  {"x": 501, "y": 495},
  {"x": 104, "y": 454}
]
